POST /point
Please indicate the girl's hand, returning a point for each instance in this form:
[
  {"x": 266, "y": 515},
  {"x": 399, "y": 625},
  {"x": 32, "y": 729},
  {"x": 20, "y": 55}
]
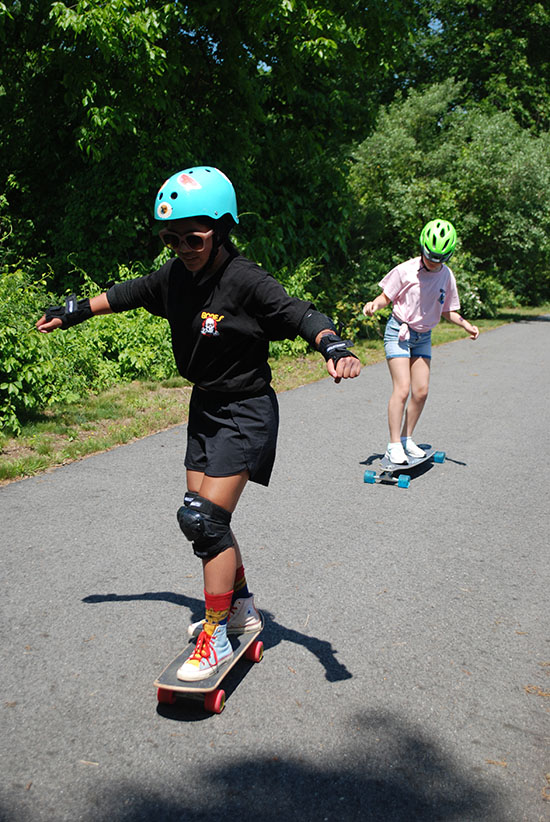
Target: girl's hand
[
  {"x": 473, "y": 331},
  {"x": 345, "y": 368},
  {"x": 369, "y": 309},
  {"x": 45, "y": 326}
]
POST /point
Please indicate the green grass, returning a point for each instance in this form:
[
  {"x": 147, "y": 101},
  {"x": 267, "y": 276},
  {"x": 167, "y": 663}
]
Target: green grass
[{"x": 130, "y": 411}]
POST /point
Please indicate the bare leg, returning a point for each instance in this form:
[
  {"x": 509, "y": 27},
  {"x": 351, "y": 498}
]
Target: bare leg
[
  {"x": 420, "y": 383},
  {"x": 400, "y": 371},
  {"x": 219, "y": 571}
]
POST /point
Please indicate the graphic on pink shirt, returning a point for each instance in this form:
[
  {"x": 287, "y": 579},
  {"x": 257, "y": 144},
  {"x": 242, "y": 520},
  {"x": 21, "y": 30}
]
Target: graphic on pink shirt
[{"x": 420, "y": 296}]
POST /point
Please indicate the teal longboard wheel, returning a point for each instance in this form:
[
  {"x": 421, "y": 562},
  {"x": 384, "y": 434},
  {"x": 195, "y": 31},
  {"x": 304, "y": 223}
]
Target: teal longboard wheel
[
  {"x": 370, "y": 477},
  {"x": 403, "y": 480},
  {"x": 439, "y": 456}
]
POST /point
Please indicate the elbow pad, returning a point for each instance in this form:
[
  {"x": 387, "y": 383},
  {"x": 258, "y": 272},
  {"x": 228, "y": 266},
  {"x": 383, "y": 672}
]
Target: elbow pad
[{"x": 313, "y": 322}]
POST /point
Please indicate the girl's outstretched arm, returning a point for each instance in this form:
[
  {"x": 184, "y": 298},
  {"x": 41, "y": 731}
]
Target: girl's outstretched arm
[
  {"x": 380, "y": 302},
  {"x": 98, "y": 305},
  {"x": 454, "y": 317}
]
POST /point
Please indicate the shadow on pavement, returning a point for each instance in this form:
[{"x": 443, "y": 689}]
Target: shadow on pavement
[
  {"x": 524, "y": 318},
  {"x": 272, "y": 635},
  {"x": 386, "y": 771}
]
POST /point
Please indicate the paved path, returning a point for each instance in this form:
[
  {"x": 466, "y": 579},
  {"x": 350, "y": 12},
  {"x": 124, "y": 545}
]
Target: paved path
[{"x": 407, "y": 665}]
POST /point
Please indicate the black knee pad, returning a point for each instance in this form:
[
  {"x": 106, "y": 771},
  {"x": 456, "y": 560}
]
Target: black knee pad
[{"x": 205, "y": 524}]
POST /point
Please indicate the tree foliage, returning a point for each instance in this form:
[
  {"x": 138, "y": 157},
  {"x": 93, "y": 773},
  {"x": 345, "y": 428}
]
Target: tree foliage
[
  {"x": 433, "y": 155},
  {"x": 104, "y": 100},
  {"x": 498, "y": 49}
]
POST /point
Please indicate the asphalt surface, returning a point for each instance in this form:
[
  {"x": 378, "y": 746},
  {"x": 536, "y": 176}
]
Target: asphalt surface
[{"x": 407, "y": 666}]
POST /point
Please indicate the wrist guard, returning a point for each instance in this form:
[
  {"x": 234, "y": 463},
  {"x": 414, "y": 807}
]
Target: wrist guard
[
  {"x": 72, "y": 313},
  {"x": 335, "y": 348},
  {"x": 312, "y": 323}
]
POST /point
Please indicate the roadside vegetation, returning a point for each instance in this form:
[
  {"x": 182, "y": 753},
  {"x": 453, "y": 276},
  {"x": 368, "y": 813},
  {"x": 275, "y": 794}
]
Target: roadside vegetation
[{"x": 127, "y": 411}]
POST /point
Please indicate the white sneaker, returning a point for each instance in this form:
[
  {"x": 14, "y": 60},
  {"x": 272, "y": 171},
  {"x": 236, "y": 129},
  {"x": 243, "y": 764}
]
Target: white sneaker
[
  {"x": 243, "y": 617},
  {"x": 396, "y": 454},
  {"x": 210, "y": 652},
  {"x": 411, "y": 448}
]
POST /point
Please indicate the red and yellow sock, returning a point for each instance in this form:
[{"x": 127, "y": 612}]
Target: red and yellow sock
[
  {"x": 240, "y": 588},
  {"x": 216, "y": 610}
]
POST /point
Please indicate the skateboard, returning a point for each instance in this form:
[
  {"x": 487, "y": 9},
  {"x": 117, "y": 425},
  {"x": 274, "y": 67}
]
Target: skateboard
[
  {"x": 390, "y": 469},
  {"x": 207, "y": 690}
]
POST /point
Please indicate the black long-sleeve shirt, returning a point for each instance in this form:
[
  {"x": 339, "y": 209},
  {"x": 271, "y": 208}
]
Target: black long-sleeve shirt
[{"x": 221, "y": 327}]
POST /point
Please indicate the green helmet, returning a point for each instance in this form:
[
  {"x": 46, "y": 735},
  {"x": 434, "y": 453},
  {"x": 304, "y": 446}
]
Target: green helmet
[{"x": 438, "y": 241}]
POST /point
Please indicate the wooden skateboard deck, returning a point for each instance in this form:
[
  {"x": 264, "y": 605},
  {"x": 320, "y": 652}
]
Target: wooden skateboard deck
[
  {"x": 389, "y": 469},
  {"x": 170, "y": 687}
]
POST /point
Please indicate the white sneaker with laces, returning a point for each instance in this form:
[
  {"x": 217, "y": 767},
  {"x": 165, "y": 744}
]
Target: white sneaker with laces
[
  {"x": 396, "y": 454},
  {"x": 411, "y": 448},
  {"x": 210, "y": 652},
  {"x": 243, "y": 617}
]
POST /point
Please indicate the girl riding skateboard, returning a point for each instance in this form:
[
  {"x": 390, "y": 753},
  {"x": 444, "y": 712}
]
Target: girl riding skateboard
[
  {"x": 222, "y": 310},
  {"x": 421, "y": 290}
]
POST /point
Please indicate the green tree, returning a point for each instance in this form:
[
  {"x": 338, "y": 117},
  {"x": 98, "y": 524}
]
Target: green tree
[
  {"x": 434, "y": 154},
  {"x": 498, "y": 49},
  {"x": 101, "y": 101}
]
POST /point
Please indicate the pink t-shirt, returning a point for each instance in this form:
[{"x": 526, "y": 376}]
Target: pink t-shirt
[{"x": 420, "y": 296}]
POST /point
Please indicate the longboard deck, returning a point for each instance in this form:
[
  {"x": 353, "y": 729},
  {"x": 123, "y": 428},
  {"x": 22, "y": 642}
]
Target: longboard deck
[
  {"x": 392, "y": 467},
  {"x": 168, "y": 678}
]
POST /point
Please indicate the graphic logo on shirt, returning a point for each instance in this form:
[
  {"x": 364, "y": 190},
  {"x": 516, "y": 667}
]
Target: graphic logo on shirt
[
  {"x": 209, "y": 327},
  {"x": 441, "y": 296}
]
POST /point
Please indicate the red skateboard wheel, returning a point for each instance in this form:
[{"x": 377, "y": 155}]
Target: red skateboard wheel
[
  {"x": 166, "y": 697},
  {"x": 214, "y": 702},
  {"x": 255, "y": 651}
]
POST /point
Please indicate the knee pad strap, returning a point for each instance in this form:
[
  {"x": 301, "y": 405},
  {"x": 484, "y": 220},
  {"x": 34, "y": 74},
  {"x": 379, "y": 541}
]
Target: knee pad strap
[{"x": 205, "y": 524}]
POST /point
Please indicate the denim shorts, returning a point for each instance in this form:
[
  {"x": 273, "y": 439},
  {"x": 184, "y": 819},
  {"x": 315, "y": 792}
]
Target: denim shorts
[
  {"x": 229, "y": 434},
  {"x": 419, "y": 344}
]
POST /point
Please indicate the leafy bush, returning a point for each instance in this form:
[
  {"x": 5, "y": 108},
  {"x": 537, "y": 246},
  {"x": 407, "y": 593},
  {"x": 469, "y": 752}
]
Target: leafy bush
[
  {"x": 28, "y": 377},
  {"x": 298, "y": 282},
  {"x": 37, "y": 370}
]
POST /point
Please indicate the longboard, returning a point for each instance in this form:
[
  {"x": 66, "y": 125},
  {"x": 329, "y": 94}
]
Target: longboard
[
  {"x": 390, "y": 469},
  {"x": 170, "y": 687}
]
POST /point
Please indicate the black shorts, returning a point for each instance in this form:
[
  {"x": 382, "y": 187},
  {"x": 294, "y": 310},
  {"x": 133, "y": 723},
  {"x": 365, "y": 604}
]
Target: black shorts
[{"x": 227, "y": 435}]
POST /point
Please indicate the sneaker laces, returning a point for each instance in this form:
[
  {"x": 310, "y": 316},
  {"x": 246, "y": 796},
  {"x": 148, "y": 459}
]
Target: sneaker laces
[{"x": 203, "y": 648}]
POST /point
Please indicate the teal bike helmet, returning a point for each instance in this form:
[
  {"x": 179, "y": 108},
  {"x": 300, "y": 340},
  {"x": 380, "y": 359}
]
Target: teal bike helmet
[
  {"x": 438, "y": 241},
  {"x": 197, "y": 192}
]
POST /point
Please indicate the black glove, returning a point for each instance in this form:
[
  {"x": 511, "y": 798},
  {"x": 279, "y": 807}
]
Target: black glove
[
  {"x": 334, "y": 348},
  {"x": 73, "y": 312}
]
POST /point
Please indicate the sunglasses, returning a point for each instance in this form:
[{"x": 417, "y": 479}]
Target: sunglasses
[{"x": 193, "y": 241}]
